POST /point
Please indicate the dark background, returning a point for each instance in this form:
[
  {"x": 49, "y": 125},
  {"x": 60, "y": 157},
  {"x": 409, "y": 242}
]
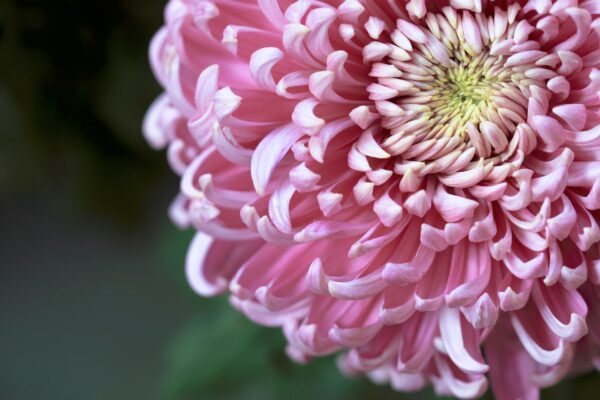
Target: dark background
[{"x": 93, "y": 302}]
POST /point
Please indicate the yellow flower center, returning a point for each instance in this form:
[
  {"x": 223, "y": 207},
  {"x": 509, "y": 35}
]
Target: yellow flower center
[{"x": 463, "y": 94}]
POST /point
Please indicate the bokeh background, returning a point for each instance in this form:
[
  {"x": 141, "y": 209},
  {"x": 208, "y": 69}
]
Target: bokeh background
[{"x": 93, "y": 301}]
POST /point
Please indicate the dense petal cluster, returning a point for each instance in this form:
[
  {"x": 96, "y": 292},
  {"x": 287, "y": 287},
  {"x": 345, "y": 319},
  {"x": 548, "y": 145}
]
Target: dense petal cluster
[{"x": 414, "y": 184}]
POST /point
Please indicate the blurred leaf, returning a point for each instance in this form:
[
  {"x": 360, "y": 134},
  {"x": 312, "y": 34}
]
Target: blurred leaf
[{"x": 215, "y": 353}]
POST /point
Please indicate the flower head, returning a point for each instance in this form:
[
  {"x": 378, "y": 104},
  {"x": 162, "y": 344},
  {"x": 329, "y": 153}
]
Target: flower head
[{"x": 413, "y": 184}]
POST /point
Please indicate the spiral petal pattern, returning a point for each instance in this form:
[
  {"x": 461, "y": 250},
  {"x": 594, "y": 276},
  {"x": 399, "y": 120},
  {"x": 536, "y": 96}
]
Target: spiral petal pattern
[{"x": 413, "y": 184}]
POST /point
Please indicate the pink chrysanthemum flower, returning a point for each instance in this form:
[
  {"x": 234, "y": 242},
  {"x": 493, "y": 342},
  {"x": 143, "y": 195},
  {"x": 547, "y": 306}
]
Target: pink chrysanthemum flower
[{"x": 414, "y": 184}]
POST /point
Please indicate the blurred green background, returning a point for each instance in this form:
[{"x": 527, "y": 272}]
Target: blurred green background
[{"x": 93, "y": 302}]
